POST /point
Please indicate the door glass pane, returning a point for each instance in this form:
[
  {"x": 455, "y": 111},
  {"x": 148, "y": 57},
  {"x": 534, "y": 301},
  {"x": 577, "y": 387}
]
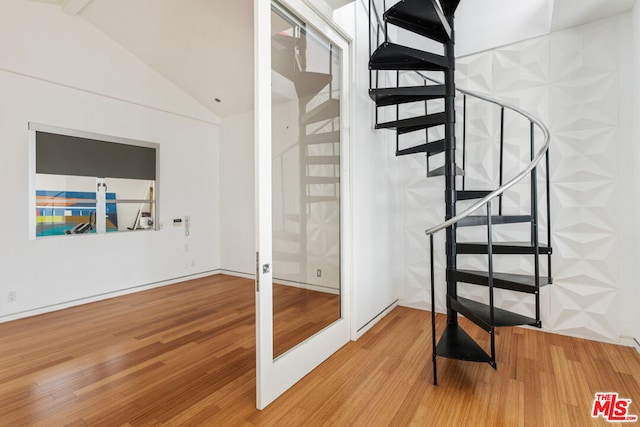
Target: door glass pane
[{"x": 305, "y": 180}]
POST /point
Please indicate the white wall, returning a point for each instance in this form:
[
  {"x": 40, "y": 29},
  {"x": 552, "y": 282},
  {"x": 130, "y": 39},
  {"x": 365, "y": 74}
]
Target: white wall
[
  {"x": 237, "y": 194},
  {"x": 578, "y": 82},
  {"x": 58, "y": 70},
  {"x": 376, "y": 241},
  {"x": 477, "y": 29},
  {"x": 636, "y": 161}
]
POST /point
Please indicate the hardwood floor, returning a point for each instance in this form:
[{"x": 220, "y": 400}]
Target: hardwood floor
[{"x": 185, "y": 355}]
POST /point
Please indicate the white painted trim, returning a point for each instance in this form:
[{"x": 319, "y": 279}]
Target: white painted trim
[
  {"x": 371, "y": 323},
  {"x": 274, "y": 377},
  {"x": 630, "y": 342},
  {"x": 240, "y": 274},
  {"x": 262, "y": 117},
  {"x": 215, "y": 121},
  {"x": 31, "y": 179},
  {"x": 39, "y": 127},
  {"x": 100, "y": 225}
]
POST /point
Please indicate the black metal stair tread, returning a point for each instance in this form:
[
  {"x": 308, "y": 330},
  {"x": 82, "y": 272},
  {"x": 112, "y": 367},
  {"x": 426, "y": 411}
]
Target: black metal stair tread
[
  {"x": 455, "y": 343},
  {"x": 475, "y": 220},
  {"x": 514, "y": 282},
  {"x": 414, "y": 123},
  {"x": 471, "y": 194},
  {"x": 480, "y": 314},
  {"x": 449, "y": 6},
  {"x": 327, "y": 110},
  {"x": 322, "y": 160},
  {"x": 422, "y": 17},
  {"x": 403, "y": 95},
  {"x": 322, "y": 138},
  {"x": 430, "y": 147},
  {"x": 502, "y": 248},
  {"x": 440, "y": 172},
  {"x": 391, "y": 56}
]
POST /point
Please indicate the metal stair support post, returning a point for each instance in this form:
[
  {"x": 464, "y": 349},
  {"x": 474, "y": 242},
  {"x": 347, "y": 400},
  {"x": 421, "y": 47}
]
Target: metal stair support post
[
  {"x": 547, "y": 181},
  {"x": 534, "y": 225},
  {"x": 450, "y": 168},
  {"x": 433, "y": 314},
  {"x": 464, "y": 138},
  {"x": 492, "y": 321}
]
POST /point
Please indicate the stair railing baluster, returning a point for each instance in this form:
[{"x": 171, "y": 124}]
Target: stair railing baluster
[
  {"x": 370, "y": 39},
  {"x": 548, "y": 173},
  {"x": 490, "y": 283},
  {"x": 433, "y": 313},
  {"x": 386, "y": 32},
  {"x": 464, "y": 138},
  {"x": 377, "y": 44},
  {"x": 534, "y": 225},
  {"x": 397, "y": 112},
  {"x": 426, "y": 132},
  {"x": 501, "y": 157}
]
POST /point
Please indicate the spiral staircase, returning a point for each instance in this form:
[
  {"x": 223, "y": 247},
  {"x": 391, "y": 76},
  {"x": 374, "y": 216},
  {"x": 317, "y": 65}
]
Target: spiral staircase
[{"x": 389, "y": 63}]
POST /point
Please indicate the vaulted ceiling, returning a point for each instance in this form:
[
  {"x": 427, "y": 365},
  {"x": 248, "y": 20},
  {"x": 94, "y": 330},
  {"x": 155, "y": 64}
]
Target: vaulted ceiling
[{"x": 205, "y": 47}]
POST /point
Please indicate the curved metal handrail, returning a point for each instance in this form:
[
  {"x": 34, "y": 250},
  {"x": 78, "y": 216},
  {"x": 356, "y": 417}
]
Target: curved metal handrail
[{"x": 519, "y": 177}]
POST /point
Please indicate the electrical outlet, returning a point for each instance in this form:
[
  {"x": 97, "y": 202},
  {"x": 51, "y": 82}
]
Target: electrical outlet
[
  {"x": 12, "y": 296},
  {"x": 319, "y": 273}
]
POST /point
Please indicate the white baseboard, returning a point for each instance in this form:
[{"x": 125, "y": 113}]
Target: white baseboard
[
  {"x": 632, "y": 342},
  {"x": 251, "y": 276},
  {"x": 371, "y": 323},
  {"x": 104, "y": 296}
]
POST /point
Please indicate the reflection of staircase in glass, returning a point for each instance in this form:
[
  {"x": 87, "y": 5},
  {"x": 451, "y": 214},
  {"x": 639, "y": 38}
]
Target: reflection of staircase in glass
[{"x": 306, "y": 236}]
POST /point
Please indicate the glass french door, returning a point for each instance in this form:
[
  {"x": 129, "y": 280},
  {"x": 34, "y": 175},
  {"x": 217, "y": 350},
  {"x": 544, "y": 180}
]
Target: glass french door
[{"x": 302, "y": 198}]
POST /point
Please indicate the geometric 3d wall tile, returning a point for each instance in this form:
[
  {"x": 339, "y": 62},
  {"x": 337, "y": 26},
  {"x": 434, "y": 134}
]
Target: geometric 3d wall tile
[{"x": 570, "y": 80}]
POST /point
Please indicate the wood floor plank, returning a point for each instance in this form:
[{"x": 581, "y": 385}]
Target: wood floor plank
[{"x": 185, "y": 355}]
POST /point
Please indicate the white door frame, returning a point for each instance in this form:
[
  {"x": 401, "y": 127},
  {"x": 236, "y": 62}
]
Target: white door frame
[{"x": 274, "y": 377}]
